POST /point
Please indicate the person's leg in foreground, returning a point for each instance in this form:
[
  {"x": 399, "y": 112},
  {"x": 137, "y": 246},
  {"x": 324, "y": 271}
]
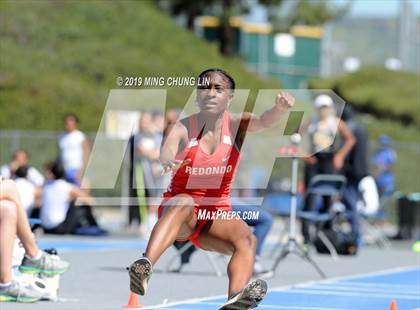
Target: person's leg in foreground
[
  {"x": 14, "y": 222},
  {"x": 11, "y": 290}
]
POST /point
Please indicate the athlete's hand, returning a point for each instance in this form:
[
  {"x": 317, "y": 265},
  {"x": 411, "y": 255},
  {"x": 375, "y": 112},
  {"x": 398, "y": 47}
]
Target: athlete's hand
[
  {"x": 285, "y": 101},
  {"x": 173, "y": 165}
]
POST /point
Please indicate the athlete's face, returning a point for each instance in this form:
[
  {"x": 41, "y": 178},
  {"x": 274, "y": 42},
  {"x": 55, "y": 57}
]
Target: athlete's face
[
  {"x": 214, "y": 96},
  {"x": 70, "y": 124}
]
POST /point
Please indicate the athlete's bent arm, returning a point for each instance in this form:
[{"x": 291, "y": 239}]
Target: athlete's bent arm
[
  {"x": 349, "y": 141},
  {"x": 170, "y": 147},
  {"x": 284, "y": 101}
]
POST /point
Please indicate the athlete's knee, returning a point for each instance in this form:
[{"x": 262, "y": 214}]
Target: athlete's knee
[
  {"x": 8, "y": 189},
  {"x": 8, "y": 210},
  {"x": 184, "y": 199},
  {"x": 181, "y": 204},
  {"x": 252, "y": 241},
  {"x": 246, "y": 242}
]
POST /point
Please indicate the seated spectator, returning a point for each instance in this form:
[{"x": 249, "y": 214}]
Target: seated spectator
[
  {"x": 59, "y": 212},
  {"x": 28, "y": 192},
  {"x": 13, "y": 221},
  {"x": 20, "y": 158}
]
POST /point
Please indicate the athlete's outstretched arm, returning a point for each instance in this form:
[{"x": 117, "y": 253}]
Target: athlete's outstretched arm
[{"x": 284, "y": 101}]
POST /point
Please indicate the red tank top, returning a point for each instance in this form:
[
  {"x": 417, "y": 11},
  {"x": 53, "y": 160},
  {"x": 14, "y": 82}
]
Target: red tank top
[{"x": 208, "y": 178}]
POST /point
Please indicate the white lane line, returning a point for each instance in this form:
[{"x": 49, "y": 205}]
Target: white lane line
[
  {"x": 382, "y": 285},
  {"x": 310, "y": 291},
  {"x": 151, "y": 307},
  {"x": 263, "y": 306},
  {"x": 286, "y": 287},
  {"x": 339, "y": 287},
  {"x": 334, "y": 280}
]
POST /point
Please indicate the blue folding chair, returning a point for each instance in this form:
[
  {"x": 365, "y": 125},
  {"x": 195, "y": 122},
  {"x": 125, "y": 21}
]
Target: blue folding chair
[{"x": 278, "y": 204}]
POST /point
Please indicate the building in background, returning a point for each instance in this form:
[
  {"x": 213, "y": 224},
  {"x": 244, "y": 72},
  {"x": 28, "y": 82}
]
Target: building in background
[
  {"x": 292, "y": 57},
  {"x": 338, "y": 47}
]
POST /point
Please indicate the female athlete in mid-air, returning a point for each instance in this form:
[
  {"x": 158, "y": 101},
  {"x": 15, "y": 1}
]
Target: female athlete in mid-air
[{"x": 202, "y": 154}]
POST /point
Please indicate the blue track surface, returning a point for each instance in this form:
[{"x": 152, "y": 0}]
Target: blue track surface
[
  {"x": 371, "y": 292},
  {"x": 91, "y": 245}
]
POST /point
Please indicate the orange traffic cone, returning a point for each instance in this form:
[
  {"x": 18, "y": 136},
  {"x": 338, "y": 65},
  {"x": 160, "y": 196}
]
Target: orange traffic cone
[
  {"x": 393, "y": 305},
  {"x": 133, "y": 302}
]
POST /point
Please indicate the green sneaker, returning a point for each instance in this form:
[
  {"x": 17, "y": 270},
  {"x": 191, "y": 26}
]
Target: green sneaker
[
  {"x": 48, "y": 265},
  {"x": 19, "y": 292}
]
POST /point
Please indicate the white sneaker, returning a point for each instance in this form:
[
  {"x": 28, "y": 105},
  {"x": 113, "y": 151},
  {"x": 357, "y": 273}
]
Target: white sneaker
[{"x": 19, "y": 292}]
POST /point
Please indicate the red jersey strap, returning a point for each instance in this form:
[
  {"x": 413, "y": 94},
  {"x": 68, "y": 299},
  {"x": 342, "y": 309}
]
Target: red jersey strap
[
  {"x": 226, "y": 124},
  {"x": 192, "y": 130}
]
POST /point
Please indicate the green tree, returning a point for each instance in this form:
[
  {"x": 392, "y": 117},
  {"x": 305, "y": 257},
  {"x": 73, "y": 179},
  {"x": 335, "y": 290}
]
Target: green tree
[
  {"x": 310, "y": 13},
  {"x": 224, "y": 9},
  {"x": 190, "y": 8},
  {"x": 306, "y": 12}
]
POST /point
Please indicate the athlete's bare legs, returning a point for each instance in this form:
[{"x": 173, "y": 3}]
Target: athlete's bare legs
[
  {"x": 232, "y": 237},
  {"x": 177, "y": 221},
  {"x": 8, "y": 220}
]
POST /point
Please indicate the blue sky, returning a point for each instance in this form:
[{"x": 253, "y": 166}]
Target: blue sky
[
  {"x": 378, "y": 7},
  {"x": 373, "y": 8}
]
